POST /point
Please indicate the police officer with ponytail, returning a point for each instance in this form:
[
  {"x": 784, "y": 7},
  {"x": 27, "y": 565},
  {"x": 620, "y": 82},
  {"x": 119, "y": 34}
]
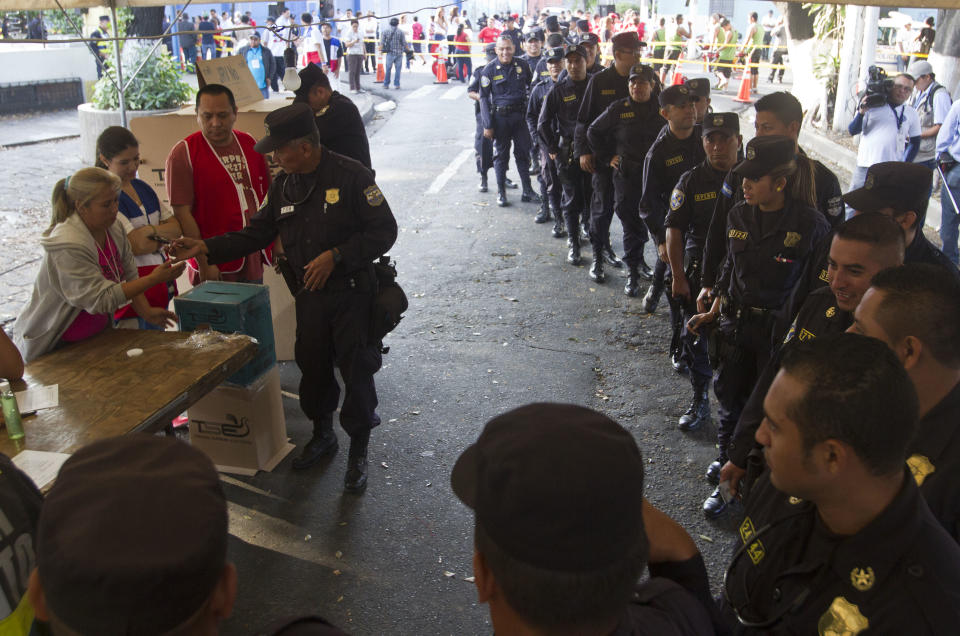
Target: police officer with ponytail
[{"x": 769, "y": 235}]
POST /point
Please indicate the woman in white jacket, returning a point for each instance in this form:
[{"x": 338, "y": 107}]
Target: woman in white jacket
[{"x": 88, "y": 269}]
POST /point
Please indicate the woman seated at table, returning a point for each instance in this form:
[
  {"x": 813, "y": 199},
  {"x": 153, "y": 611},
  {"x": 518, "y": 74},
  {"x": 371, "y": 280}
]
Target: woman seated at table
[
  {"x": 88, "y": 271},
  {"x": 142, "y": 217}
]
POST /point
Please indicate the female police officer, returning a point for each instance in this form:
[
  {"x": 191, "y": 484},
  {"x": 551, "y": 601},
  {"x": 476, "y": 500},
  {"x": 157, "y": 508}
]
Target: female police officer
[{"x": 770, "y": 235}]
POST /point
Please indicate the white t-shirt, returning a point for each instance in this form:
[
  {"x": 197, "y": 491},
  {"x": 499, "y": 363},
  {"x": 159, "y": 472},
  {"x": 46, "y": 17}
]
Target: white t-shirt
[
  {"x": 357, "y": 47},
  {"x": 882, "y": 139}
]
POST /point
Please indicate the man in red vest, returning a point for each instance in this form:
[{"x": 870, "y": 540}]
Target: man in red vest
[{"x": 215, "y": 182}]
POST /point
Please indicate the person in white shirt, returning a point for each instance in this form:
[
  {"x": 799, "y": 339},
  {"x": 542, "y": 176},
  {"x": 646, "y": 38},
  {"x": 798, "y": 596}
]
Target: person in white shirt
[
  {"x": 888, "y": 132},
  {"x": 276, "y": 45},
  {"x": 353, "y": 45},
  {"x": 369, "y": 27},
  {"x": 932, "y": 102},
  {"x": 905, "y": 42},
  {"x": 310, "y": 44}
]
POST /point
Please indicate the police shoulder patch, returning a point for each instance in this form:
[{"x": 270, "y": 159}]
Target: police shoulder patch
[
  {"x": 484, "y": 81},
  {"x": 373, "y": 194},
  {"x": 676, "y": 199},
  {"x": 726, "y": 190},
  {"x": 834, "y": 206}
]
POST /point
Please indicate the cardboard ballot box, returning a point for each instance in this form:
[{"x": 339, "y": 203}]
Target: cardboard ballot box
[
  {"x": 157, "y": 135},
  {"x": 242, "y": 429},
  {"x": 232, "y": 308}
]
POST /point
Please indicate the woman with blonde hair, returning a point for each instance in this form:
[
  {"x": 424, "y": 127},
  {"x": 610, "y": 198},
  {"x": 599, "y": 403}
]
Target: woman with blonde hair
[{"x": 88, "y": 269}]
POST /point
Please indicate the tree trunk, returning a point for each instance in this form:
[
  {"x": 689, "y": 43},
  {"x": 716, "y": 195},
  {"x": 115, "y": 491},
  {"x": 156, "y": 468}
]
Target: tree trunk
[
  {"x": 945, "y": 56},
  {"x": 803, "y": 49},
  {"x": 146, "y": 21}
]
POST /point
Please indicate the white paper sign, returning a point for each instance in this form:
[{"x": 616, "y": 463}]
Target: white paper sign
[{"x": 38, "y": 397}]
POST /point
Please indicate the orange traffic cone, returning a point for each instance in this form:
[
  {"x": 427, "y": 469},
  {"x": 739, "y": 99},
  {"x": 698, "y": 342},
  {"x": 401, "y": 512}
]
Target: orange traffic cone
[
  {"x": 441, "y": 71},
  {"x": 744, "y": 94},
  {"x": 381, "y": 73},
  {"x": 678, "y": 78}
]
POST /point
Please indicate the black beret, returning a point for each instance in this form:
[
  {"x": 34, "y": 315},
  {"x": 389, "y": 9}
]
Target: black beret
[
  {"x": 556, "y": 486},
  {"x": 892, "y": 184},
  {"x": 132, "y": 537},
  {"x": 763, "y": 154}
]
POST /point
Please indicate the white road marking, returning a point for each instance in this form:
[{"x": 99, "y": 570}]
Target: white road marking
[
  {"x": 455, "y": 92},
  {"x": 423, "y": 91},
  {"x": 449, "y": 171}
]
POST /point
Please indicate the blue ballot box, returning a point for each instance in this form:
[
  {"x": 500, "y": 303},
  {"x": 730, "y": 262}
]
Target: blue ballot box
[{"x": 232, "y": 308}]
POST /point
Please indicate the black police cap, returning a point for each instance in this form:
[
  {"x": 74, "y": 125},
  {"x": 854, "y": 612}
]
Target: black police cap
[
  {"x": 535, "y": 34},
  {"x": 892, "y": 184},
  {"x": 699, "y": 86},
  {"x": 726, "y": 122},
  {"x": 589, "y": 38},
  {"x": 552, "y": 23},
  {"x": 642, "y": 71},
  {"x": 675, "y": 95},
  {"x": 491, "y": 49},
  {"x": 286, "y": 124},
  {"x": 575, "y": 49},
  {"x": 583, "y": 25},
  {"x": 311, "y": 75},
  {"x": 555, "y": 39},
  {"x": 764, "y": 154},
  {"x": 555, "y": 54},
  {"x": 556, "y": 486},
  {"x": 626, "y": 41},
  {"x": 132, "y": 538}
]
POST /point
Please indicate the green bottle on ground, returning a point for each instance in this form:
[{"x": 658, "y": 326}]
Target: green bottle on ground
[{"x": 11, "y": 412}]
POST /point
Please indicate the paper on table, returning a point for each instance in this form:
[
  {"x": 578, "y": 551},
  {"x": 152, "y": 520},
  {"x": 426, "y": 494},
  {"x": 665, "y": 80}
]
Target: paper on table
[
  {"x": 42, "y": 467},
  {"x": 38, "y": 397}
]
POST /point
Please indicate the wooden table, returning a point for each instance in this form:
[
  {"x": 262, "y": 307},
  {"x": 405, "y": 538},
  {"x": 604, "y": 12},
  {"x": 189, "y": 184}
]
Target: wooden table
[{"x": 105, "y": 393}]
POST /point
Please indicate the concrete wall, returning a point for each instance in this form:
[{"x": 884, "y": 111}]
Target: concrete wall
[{"x": 31, "y": 63}]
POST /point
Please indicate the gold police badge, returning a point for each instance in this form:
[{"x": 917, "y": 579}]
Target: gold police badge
[
  {"x": 921, "y": 467},
  {"x": 792, "y": 239},
  {"x": 333, "y": 195},
  {"x": 751, "y": 153},
  {"x": 718, "y": 120},
  {"x": 831, "y": 312},
  {"x": 842, "y": 618},
  {"x": 862, "y": 578},
  {"x": 794, "y": 501},
  {"x": 870, "y": 181}
]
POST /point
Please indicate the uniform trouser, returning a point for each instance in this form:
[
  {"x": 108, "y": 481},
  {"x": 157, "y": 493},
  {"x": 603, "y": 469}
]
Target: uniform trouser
[
  {"x": 695, "y": 351},
  {"x": 332, "y": 330},
  {"x": 626, "y": 203},
  {"x": 601, "y": 206},
  {"x": 550, "y": 188},
  {"x": 777, "y": 59},
  {"x": 511, "y": 128},
  {"x": 740, "y": 366},
  {"x": 573, "y": 202},
  {"x": 483, "y": 149}
]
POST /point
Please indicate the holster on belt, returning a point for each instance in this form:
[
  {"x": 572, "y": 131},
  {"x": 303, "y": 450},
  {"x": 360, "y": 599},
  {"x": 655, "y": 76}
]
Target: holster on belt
[
  {"x": 565, "y": 153},
  {"x": 294, "y": 284}
]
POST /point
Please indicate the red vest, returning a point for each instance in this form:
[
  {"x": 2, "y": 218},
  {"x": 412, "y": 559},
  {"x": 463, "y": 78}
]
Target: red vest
[{"x": 217, "y": 200}]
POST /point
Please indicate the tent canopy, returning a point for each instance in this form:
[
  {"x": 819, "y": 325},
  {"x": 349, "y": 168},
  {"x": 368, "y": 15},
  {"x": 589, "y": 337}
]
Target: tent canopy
[{"x": 36, "y": 5}]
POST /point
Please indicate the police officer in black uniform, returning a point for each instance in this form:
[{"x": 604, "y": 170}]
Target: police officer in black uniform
[
  {"x": 691, "y": 207},
  {"x": 679, "y": 149},
  {"x": 837, "y": 538},
  {"x": 511, "y": 31},
  {"x": 482, "y": 146},
  {"x": 620, "y": 138},
  {"x": 699, "y": 87},
  {"x": 777, "y": 114},
  {"x": 550, "y": 189},
  {"x": 554, "y": 41},
  {"x": 503, "y": 96},
  {"x": 334, "y": 222},
  {"x": 604, "y": 88},
  {"x": 338, "y": 120},
  {"x": 532, "y": 54},
  {"x": 556, "y": 127},
  {"x": 771, "y": 234},
  {"x": 591, "y": 44}
]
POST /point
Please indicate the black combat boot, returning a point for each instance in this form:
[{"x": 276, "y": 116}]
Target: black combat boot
[
  {"x": 502, "y": 197},
  {"x": 510, "y": 184},
  {"x": 558, "y": 230},
  {"x": 322, "y": 444},
  {"x": 535, "y": 165},
  {"x": 596, "y": 270},
  {"x": 632, "y": 288},
  {"x": 573, "y": 255},
  {"x": 483, "y": 183},
  {"x": 528, "y": 195},
  {"x": 544, "y": 214},
  {"x": 652, "y": 297},
  {"x": 355, "y": 480},
  {"x": 645, "y": 270},
  {"x": 611, "y": 257},
  {"x": 699, "y": 412}
]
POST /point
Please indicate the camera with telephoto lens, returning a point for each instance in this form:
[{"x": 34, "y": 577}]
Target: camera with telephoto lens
[{"x": 878, "y": 88}]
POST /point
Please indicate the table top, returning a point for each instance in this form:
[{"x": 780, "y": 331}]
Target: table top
[{"x": 105, "y": 393}]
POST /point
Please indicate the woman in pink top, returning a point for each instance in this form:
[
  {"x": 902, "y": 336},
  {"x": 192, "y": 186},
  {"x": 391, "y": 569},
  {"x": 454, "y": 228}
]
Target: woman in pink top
[{"x": 88, "y": 269}]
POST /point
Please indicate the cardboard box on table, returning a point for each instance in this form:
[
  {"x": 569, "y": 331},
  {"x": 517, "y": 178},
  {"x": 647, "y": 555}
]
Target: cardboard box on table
[
  {"x": 242, "y": 429},
  {"x": 158, "y": 134}
]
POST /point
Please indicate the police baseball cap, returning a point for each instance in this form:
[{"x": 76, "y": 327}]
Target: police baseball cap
[
  {"x": 552, "y": 23},
  {"x": 642, "y": 71},
  {"x": 726, "y": 122},
  {"x": 626, "y": 41},
  {"x": 556, "y": 486},
  {"x": 286, "y": 124},
  {"x": 535, "y": 34},
  {"x": 555, "y": 39},
  {"x": 583, "y": 25},
  {"x": 132, "y": 538},
  {"x": 920, "y": 68},
  {"x": 575, "y": 49},
  {"x": 676, "y": 95},
  {"x": 311, "y": 75},
  {"x": 763, "y": 154},
  {"x": 491, "y": 49},
  {"x": 555, "y": 54},
  {"x": 892, "y": 184},
  {"x": 699, "y": 86},
  {"x": 589, "y": 38}
]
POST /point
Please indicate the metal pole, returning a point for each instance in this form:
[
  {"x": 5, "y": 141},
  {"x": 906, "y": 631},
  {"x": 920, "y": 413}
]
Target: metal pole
[
  {"x": 943, "y": 177},
  {"x": 116, "y": 51}
]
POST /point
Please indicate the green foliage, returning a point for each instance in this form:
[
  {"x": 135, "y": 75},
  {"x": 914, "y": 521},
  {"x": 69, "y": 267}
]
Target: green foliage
[
  {"x": 827, "y": 20},
  {"x": 156, "y": 86}
]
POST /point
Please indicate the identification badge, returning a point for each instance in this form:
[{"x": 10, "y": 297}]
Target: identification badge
[
  {"x": 287, "y": 209},
  {"x": 254, "y": 63}
]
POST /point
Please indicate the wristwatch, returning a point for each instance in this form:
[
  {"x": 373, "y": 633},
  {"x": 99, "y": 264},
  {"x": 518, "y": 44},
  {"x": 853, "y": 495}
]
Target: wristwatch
[{"x": 337, "y": 256}]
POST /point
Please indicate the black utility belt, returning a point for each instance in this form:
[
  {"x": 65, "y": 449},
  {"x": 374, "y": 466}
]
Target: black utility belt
[
  {"x": 503, "y": 110},
  {"x": 737, "y": 312}
]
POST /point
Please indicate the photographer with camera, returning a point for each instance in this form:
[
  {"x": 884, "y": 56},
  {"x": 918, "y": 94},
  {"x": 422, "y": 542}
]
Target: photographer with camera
[{"x": 889, "y": 128}]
